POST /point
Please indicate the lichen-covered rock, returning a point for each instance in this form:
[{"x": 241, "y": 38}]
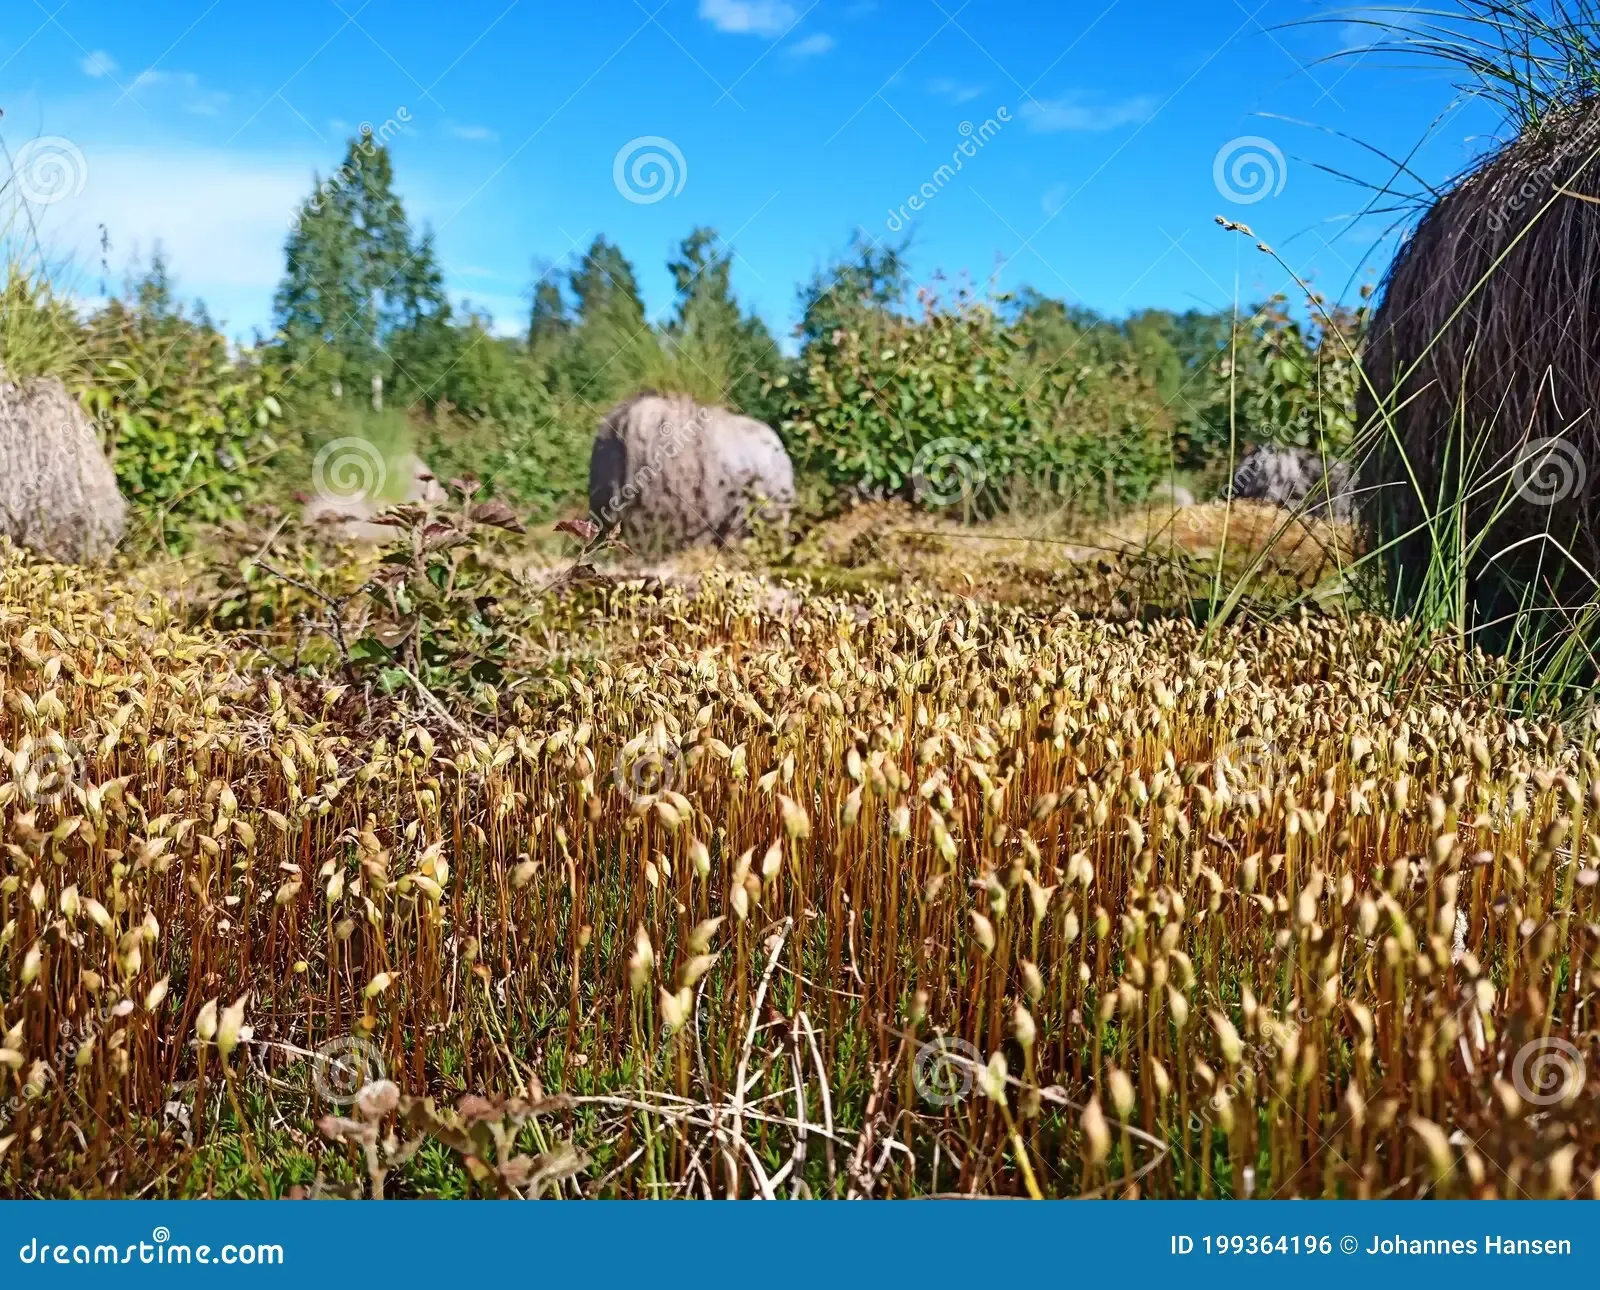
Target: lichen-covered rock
[
  {"x": 58, "y": 493},
  {"x": 672, "y": 474},
  {"x": 1295, "y": 479}
]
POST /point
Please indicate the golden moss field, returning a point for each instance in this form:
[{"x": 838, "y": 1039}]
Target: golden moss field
[{"x": 776, "y": 891}]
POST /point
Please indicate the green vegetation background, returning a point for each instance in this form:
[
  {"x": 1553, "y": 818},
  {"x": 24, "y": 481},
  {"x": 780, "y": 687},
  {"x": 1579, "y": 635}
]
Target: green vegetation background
[{"x": 1055, "y": 403}]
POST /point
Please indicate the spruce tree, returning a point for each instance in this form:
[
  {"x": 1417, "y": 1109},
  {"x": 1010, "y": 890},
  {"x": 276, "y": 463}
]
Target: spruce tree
[
  {"x": 614, "y": 346},
  {"x": 361, "y": 297},
  {"x": 548, "y": 321},
  {"x": 734, "y": 351}
]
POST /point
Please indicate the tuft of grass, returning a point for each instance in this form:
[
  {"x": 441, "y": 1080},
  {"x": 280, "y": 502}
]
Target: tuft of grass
[
  {"x": 1530, "y": 58},
  {"x": 40, "y": 334}
]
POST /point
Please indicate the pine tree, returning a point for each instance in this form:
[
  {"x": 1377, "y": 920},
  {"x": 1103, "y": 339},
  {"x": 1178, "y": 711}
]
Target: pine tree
[
  {"x": 735, "y": 352},
  {"x": 548, "y": 321},
  {"x": 360, "y": 297},
  {"x": 423, "y": 342},
  {"x": 613, "y": 345},
  {"x": 605, "y": 287}
]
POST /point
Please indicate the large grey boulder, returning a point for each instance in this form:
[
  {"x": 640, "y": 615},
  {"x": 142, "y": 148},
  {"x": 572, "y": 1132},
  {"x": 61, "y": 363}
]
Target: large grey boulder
[
  {"x": 671, "y": 474},
  {"x": 1297, "y": 480},
  {"x": 58, "y": 493}
]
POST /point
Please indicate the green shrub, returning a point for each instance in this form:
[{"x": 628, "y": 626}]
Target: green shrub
[
  {"x": 1294, "y": 383},
  {"x": 526, "y": 442},
  {"x": 959, "y": 405},
  {"x": 184, "y": 422},
  {"x": 1100, "y": 428}
]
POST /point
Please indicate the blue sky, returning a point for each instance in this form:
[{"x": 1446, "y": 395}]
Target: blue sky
[{"x": 784, "y": 124}]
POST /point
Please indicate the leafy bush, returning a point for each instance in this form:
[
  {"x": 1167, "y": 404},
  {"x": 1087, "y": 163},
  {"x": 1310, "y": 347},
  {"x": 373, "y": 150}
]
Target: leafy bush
[
  {"x": 1294, "y": 383},
  {"x": 961, "y": 405},
  {"x": 528, "y": 444},
  {"x": 1099, "y": 423},
  {"x": 184, "y": 422},
  {"x": 875, "y": 396}
]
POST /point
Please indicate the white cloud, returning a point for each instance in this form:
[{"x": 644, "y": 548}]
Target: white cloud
[
  {"x": 99, "y": 64},
  {"x": 955, "y": 92},
  {"x": 768, "y": 18},
  {"x": 474, "y": 133},
  {"x": 1055, "y": 197},
  {"x": 150, "y": 78},
  {"x": 1052, "y": 116},
  {"x": 811, "y": 46},
  {"x": 185, "y": 85},
  {"x": 221, "y": 218},
  {"x": 207, "y": 103}
]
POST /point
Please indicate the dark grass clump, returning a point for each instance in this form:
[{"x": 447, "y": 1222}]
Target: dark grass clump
[{"x": 1484, "y": 364}]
